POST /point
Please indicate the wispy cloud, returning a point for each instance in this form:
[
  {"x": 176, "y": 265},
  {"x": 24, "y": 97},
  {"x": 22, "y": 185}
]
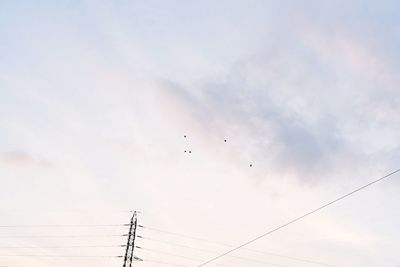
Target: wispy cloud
[
  {"x": 307, "y": 92},
  {"x": 22, "y": 159}
]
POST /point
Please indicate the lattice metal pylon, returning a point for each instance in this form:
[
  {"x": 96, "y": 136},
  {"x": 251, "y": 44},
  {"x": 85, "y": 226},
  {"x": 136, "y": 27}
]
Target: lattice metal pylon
[{"x": 130, "y": 246}]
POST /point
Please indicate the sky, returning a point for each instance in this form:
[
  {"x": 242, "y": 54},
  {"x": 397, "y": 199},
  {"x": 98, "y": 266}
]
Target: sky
[{"x": 97, "y": 96}]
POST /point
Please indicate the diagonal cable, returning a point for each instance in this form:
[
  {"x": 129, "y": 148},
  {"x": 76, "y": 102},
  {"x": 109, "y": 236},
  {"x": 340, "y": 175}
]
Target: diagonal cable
[{"x": 301, "y": 217}]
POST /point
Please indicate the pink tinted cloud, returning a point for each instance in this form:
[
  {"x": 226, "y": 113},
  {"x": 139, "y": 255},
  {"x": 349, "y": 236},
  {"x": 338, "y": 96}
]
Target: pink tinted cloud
[{"x": 22, "y": 159}]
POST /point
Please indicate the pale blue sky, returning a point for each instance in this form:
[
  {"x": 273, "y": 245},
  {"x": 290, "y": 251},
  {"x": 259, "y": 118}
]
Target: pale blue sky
[{"x": 95, "y": 97}]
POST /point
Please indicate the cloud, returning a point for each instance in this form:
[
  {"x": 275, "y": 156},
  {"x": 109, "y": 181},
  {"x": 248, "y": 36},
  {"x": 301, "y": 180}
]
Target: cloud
[
  {"x": 20, "y": 158},
  {"x": 307, "y": 109},
  {"x": 307, "y": 99}
]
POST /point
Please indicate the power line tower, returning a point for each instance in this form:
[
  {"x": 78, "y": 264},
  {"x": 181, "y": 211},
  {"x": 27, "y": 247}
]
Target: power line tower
[{"x": 130, "y": 246}]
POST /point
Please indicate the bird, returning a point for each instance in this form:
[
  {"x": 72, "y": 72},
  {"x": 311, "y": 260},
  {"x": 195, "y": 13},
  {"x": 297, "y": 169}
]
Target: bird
[
  {"x": 225, "y": 140},
  {"x": 251, "y": 165},
  {"x": 190, "y": 151}
]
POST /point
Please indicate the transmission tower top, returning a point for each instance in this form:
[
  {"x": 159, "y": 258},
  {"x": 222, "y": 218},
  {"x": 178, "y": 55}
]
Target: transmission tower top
[{"x": 129, "y": 257}]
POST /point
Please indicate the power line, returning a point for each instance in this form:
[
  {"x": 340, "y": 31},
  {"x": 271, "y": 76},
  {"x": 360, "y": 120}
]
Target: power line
[
  {"x": 230, "y": 245},
  {"x": 178, "y": 234},
  {"x": 167, "y": 253},
  {"x": 57, "y": 256},
  {"x": 32, "y": 247},
  {"x": 58, "y": 236},
  {"x": 86, "y": 211},
  {"x": 173, "y": 255},
  {"x": 211, "y": 251},
  {"x": 63, "y": 225},
  {"x": 164, "y": 263},
  {"x": 301, "y": 217},
  {"x": 84, "y": 235},
  {"x": 178, "y": 245}
]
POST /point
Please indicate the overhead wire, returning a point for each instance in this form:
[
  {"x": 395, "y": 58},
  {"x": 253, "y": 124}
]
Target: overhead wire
[
  {"x": 211, "y": 251},
  {"x": 163, "y": 263},
  {"x": 173, "y": 255},
  {"x": 39, "y": 247},
  {"x": 64, "y": 225},
  {"x": 230, "y": 245},
  {"x": 18, "y": 248},
  {"x": 59, "y": 256},
  {"x": 300, "y": 217},
  {"x": 178, "y": 234},
  {"x": 90, "y": 211},
  {"x": 175, "y": 244},
  {"x": 59, "y": 236}
]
